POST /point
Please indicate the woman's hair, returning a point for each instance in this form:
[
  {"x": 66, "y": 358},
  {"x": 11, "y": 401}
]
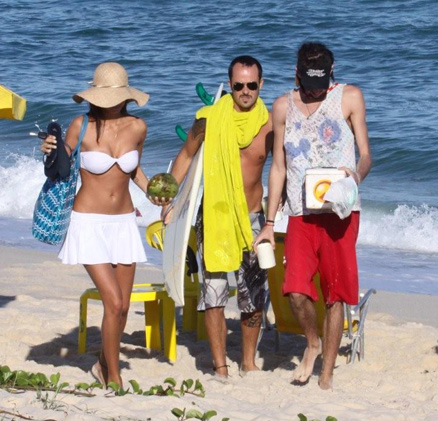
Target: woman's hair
[{"x": 97, "y": 113}]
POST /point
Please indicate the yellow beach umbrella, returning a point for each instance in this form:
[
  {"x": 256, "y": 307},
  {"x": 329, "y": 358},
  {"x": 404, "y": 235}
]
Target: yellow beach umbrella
[{"x": 12, "y": 106}]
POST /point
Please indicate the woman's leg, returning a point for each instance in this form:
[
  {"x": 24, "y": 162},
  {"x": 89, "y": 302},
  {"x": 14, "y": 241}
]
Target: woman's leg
[
  {"x": 113, "y": 291},
  {"x": 125, "y": 279}
]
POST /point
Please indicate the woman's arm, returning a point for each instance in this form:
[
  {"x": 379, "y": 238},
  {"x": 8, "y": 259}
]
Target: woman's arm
[
  {"x": 71, "y": 138},
  {"x": 138, "y": 176}
]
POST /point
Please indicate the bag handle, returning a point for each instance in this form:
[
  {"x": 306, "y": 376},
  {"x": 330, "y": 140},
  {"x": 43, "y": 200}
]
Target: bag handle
[
  {"x": 75, "y": 153},
  {"x": 81, "y": 134}
]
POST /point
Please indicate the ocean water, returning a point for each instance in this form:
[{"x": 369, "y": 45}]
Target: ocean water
[{"x": 388, "y": 48}]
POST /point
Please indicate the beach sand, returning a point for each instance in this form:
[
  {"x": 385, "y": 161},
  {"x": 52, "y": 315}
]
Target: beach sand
[{"x": 39, "y": 305}]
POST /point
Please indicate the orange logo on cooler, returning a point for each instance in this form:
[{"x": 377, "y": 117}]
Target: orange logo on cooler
[{"x": 320, "y": 189}]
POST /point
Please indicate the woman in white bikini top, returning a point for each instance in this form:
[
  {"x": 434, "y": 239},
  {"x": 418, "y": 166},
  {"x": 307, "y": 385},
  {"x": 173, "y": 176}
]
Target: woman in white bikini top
[{"x": 103, "y": 234}]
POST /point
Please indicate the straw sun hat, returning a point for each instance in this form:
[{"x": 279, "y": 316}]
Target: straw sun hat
[{"x": 110, "y": 87}]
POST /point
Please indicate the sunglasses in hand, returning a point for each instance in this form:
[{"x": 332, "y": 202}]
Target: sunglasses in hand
[{"x": 252, "y": 86}]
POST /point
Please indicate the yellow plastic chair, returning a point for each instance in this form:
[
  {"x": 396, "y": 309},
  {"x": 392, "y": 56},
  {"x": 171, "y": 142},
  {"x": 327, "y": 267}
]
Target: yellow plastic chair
[
  {"x": 152, "y": 295},
  {"x": 155, "y": 235},
  {"x": 285, "y": 321},
  {"x": 192, "y": 319},
  {"x": 155, "y": 238},
  {"x": 12, "y": 106}
]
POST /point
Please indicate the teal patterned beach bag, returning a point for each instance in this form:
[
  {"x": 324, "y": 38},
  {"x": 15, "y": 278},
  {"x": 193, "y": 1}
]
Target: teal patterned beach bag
[{"x": 51, "y": 216}]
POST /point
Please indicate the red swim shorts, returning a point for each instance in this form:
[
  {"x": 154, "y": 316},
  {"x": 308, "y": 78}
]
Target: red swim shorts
[{"x": 326, "y": 244}]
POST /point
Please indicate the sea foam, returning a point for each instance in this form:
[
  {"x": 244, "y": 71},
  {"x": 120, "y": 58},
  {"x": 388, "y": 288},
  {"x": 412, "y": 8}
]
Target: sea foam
[{"x": 407, "y": 227}]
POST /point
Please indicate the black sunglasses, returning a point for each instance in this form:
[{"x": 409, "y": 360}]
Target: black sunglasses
[{"x": 252, "y": 86}]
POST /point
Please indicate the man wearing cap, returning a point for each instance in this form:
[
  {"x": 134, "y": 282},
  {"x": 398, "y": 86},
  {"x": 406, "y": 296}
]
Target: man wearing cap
[{"x": 317, "y": 125}]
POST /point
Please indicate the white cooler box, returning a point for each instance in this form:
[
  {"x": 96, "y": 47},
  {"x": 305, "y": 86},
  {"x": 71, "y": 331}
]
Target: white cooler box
[{"x": 317, "y": 182}]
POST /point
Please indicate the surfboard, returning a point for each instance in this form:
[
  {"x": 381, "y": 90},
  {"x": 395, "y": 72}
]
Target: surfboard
[{"x": 177, "y": 232}]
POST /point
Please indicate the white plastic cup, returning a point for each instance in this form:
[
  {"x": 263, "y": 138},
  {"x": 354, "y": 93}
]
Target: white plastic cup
[{"x": 265, "y": 255}]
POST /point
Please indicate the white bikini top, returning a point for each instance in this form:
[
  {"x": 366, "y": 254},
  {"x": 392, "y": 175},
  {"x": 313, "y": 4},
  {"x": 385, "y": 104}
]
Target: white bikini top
[{"x": 100, "y": 162}]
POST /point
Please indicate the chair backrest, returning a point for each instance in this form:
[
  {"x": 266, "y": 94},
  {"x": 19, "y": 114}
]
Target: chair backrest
[
  {"x": 284, "y": 319},
  {"x": 155, "y": 238},
  {"x": 155, "y": 235}
]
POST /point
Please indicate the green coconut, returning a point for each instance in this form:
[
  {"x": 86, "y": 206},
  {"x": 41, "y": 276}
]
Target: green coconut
[{"x": 163, "y": 185}]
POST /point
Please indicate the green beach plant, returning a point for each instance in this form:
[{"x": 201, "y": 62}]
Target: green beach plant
[
  {"x": 190, "y": 386},
  {"x": 302, "y": 417},
  {"x": 183, "y": 415},
  {"x": 22, "y": 380}
]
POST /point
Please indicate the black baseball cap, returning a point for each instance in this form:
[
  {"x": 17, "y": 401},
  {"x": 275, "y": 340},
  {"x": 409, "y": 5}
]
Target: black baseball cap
[{"x": 315, "y": 77}]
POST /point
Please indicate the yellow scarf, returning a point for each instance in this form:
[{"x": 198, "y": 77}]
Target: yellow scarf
[{"x": 227, "y": 228}]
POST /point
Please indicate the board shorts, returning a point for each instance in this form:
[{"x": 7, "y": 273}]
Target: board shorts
[
  {"x": 250, "y": 279},
  {"x": 97, "y": 238},
  {"x": 326, "y": 244}
]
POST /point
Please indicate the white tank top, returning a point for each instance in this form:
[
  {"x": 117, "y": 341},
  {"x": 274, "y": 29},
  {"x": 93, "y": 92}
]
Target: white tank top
[{"x": 323, "y": 139}]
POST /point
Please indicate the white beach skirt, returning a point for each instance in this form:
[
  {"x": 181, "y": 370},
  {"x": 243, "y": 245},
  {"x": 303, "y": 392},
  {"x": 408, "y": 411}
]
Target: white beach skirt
[{"x": 96, "y": 238}]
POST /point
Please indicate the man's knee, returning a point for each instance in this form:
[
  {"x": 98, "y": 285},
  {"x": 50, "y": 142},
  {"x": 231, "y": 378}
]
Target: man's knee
[
  {"x": 215, "y": 312},
  {"x": 334, "y": 306},
  {"x": 253, "y": 319},
  {"x": 335, "y": 309},
  {"x": 297, "y": 300}
]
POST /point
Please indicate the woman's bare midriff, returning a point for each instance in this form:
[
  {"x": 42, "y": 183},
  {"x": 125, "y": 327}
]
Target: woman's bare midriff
[{"x": 106, "y": 193}]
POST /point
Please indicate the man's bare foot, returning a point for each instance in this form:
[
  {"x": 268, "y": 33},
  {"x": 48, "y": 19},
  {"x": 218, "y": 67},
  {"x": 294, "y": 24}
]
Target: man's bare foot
[
  {"x": 221, "y": 371},
  {"x": 325, "y": 381},
  {"x": 221, "y": 374},
  {"x": 303, "y": 372},
  {"x": 245, "y": 369},
  {"x": 249, "y": 367}
]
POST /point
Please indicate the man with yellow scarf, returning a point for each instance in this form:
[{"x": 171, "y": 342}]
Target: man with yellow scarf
[{"x": 237, "y": 132}]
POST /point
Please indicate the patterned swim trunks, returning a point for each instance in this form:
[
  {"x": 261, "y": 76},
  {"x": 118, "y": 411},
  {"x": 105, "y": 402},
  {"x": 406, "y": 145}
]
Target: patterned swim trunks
[{"x": 250, "y": 279}]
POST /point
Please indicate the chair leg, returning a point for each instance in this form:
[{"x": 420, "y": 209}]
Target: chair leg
[
  {"x": 82, "y": 337},
  {"x": 354, "y": 346},
  {"x": 152, "y": 325},
  {"x": 359, "y": 336},
  {"x": 277, "y": 340},
  {"x": 169, "y": 329},
  {"x": 358, "y": 343},
  {"x": 362, "y": 346},
  {"x": 201, "y": 333},
  {"x": 190, "y": 314}
]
